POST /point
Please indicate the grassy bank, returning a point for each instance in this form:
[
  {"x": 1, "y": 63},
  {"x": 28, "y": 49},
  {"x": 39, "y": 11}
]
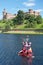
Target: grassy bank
[{"x": 23, "y": 32}]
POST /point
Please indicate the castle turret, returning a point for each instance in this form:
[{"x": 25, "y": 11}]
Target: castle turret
[
  {"x": 8, "y": 15},
  {"x": 4, "y": 14},
  {"x": 31, "y": 11}
]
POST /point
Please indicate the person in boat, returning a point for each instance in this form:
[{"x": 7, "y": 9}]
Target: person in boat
[
  {"x": 26, "y": 44},
  {"x": 24, "y": 49},
  {"x": 27, "y": 48}
]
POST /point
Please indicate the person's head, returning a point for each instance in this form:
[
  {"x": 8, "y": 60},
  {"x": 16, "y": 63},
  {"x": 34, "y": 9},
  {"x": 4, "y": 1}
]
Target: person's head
[{"x": 30, "y": 43}]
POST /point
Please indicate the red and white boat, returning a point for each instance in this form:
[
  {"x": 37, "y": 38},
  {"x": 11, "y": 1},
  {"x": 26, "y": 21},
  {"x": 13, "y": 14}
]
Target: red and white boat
[{"x": 26, "y": 52}]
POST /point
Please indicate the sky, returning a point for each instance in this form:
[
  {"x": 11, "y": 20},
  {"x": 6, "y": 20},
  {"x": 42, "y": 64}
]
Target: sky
[{"x": 12, "y": 6}]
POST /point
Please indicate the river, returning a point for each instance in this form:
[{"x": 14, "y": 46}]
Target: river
[{"x": 11, "y": 44}]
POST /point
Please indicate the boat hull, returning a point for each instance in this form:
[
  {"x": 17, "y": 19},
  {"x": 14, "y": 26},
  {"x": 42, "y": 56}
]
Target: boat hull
[{"x": 21, "y": 53}]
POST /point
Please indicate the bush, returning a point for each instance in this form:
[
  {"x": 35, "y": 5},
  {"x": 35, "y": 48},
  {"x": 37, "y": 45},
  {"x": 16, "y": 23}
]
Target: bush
[
  {"x": 39, "y": 19},
  {"x": 7, "y": 26}
]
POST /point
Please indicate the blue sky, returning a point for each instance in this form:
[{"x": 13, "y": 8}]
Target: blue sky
[{"x": 12, "y": 6}]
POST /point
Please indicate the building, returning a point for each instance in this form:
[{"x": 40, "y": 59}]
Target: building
[
  {"x": 31, "y": 12},
  {"x": 11, "y": 16},
  {"x": 8, "y": 15}
]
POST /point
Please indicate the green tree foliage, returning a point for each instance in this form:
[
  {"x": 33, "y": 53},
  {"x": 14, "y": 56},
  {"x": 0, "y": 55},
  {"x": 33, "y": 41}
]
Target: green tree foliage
[
  {"x": 7, "y": 26},
  {"x": 26, "y": 16},
  {"x": 10, "y": 22},
  {"x": 31, "y": 25},
  {"x": 20, "y": 16},
  {"x": 39, "y": 19},
  {"x": 15, "y": 21},
  {"x": 31, "y": 18}
]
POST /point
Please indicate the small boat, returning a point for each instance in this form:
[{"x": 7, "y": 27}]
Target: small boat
[{"x": 26, "y": 52}]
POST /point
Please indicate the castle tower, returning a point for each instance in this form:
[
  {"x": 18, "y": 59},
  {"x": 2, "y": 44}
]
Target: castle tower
[
  {"x": 7, "y": 15},
  {"x": 4, "y": 14},
  {"x": 31, "y": 11}
]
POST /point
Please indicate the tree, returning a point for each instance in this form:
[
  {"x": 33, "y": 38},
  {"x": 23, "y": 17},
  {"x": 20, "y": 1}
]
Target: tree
[
  {"x": 30, "y": 18},
  {"x": 26, "y": 16},
  {"x": 20, "y": 17},
  {"x": 10, "y": 22},
  {"x": 15, "y": 21},
  {"x": 31, "y": 22},
  {"x": 7, "y": 26},
  {"x": 39, "y": 19}
]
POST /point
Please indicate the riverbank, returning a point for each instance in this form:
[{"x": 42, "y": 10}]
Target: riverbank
[{"x": 23, "y": 32}]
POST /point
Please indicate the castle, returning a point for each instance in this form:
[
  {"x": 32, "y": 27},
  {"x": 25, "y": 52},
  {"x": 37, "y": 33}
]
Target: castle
[
  {"x": 11, "y": 16},
  {"x": 8, "y": 15},
  {"x": 32, "y": 12}
]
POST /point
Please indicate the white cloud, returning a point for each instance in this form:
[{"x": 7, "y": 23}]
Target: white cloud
[
  {"x": 31, "y": 0},
  {"x": 39, "y": 10},
  {"x": 29, "y": 3}
]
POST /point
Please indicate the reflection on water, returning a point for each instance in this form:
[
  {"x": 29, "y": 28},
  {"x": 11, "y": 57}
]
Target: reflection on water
[
  {"x": 30, "y": 61},
  {"x": 26, "y": 61}
]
